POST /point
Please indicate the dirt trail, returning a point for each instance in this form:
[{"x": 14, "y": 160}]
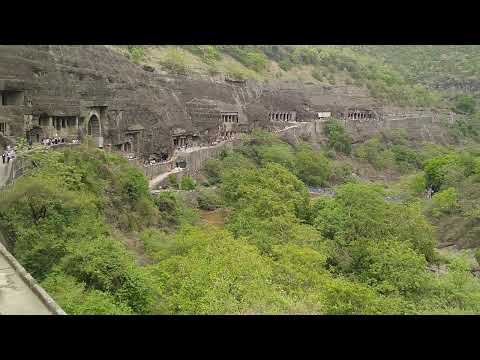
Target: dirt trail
[{"x": 214, "y": 217}]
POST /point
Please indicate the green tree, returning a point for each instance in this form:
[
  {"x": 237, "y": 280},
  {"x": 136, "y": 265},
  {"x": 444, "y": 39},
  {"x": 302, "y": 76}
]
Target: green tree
[
  {"x": 104, "y": 265},
  {"x": 444, "y": 202},
  {"x": 187, "y": 183},
  {"x": 464, "y": 104},
  {"x": 216, "y": 275},
  {"x": 76, "y": 300},
  {"x": 392, "y": 267},
  {"x": 136, "y": 53},
  {"x": 338, "y": 139},
  {"x": 434, "y": 170},
  {"x": 312, "y": 167},
  {"x": 360, "y": 213},
  {"x": 175, "y": 61}
]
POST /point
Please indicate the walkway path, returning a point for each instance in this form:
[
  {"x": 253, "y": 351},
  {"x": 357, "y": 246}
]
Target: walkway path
[
  {"x": 152, "y": 184},
  {"x": 16, "y": 298},
  {"x": 157, "y": 180},
  {"x": 19, "y": 292},
  {"x": 4, "y": 172}
]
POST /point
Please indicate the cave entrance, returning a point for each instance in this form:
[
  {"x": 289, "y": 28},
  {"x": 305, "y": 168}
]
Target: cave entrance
[
  {"x": 128, "y": 147},
  {"x": 94, "y": 129},
  {"x": 11, "y": 97}
]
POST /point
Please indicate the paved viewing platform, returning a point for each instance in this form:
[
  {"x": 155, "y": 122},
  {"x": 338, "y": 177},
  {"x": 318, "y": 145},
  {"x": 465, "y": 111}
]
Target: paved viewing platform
[
  {"x": 19, "y": 292},
  {"x": 4, "y": 173}
]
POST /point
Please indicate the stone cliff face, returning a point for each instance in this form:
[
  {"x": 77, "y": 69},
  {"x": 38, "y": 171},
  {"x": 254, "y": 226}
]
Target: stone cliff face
[{"x": 72, "y": 91}]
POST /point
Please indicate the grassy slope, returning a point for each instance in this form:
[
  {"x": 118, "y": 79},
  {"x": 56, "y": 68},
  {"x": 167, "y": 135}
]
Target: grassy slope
[
  {"x": 428, "y": 64},
  {"x": 425, "y": 64},
  {"x": 396, "y": 74}
]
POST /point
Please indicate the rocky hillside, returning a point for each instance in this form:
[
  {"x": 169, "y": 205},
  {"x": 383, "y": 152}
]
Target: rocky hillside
[
  {"x": 401, "y": 75},
  {"x": 143, "y": 98},
  {"x": 450, "y": 68}
]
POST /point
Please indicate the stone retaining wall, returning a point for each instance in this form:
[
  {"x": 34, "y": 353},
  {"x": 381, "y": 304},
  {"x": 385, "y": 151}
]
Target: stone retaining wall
[{"x": 196, "y": 159}]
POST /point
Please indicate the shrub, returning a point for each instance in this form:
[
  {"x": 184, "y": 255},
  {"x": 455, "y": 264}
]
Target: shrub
[
  {"x": 134, "y": 184},
  {"x": 187, "y": 183},
  {"x": 444, "y": 202},
  {"x": 103, "y": 264},
  {"x": 391, "y": 266},
  {"x": 338, "y": 139},
  {"x": 360, "y": 211},
  {"x": 434, "y": 170},
  {"x": 464, "y": 104},
  {"x": 286, "y": 64},
  {"x": 376, "y": 154},
  {"x": 76, "y": 300},
  {"x": 342, "y": 172},
  {"x": 404, "y": 156},
  {"x": 174, "y": 60},
  {"x": 248, "y": 55},
  {"x": 136, "y": 53},
  {"x": 168, "y": 205},
  {"x": 172, "y": 180},
  {"x": 208, "y": 53},
  {"x": 216, "y": 275},
  {"x": 312, "y": 167},
  {"x": 238, "y": 72},
  {"x": 417, "y": 184},
  {"x": 317, "y": 74},
  {"x": 208, "y": 199},
  {"x": 212, "y": 170}
]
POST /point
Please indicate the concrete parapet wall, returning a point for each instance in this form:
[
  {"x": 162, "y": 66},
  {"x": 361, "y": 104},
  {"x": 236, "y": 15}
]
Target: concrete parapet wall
[
  {"x": 152, "y": 171},
  {"x": 49, "y": 303}
]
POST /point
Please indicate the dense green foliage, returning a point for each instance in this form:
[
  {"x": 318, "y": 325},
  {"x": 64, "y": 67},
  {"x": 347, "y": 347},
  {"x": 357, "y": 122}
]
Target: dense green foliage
[
  {"x": 338, "y": 139},
  {"x": 136, "y": 53},
  {"x": 58, "y": 222},
  {"x": 208, "y": 53},
  {"x": 391, "y": 150},
  {"x": 279, "y": 252},
  {"x": 249, "y": 55},
  {"x": 382, "y": 80},
  {"x": 454, "y": 176},
  {"x": 174, "y": 61},
  {"x": 350, "y": 65},
  {"x": 465, "y": 104},
  {"x": 432, "y": 65},
  {"x": 356, "y": 243},
  {"x": 187, "y": 183}
]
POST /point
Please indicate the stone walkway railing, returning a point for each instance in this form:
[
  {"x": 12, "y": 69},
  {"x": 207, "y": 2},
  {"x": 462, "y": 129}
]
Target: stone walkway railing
[{"x": 20, "y": 294}]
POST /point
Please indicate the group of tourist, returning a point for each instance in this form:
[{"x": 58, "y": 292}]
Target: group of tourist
[
  {"x": 152, "y": 162},
  {"x": 8, "y": 154},
  {"x": 54, "y": 141},
  {"x": 57, "y": 141}
]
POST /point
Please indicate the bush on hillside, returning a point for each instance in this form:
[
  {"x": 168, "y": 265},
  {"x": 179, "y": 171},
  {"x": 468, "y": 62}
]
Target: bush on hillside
[
  {"x": 464, "y": 104},
  {"x": 175, "y": 61},
  {"x": 136, "y": 53},
  {"x": 187, "y": 183},
  {"x": 209, "y": 199},
  {"x": 338, "y": 139}
]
